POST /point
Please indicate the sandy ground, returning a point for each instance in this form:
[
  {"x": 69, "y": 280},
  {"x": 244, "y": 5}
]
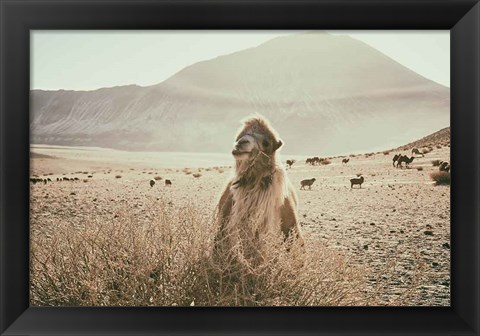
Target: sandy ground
[{"x": 396, "y": 227}]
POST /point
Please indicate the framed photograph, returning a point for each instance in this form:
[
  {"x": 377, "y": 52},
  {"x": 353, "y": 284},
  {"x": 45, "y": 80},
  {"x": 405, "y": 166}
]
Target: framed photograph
[{"x": 248, "y": 167}]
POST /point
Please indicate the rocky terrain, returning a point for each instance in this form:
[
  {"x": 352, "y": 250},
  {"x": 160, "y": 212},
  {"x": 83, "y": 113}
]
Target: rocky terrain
[{"x": 396, "y": 228}]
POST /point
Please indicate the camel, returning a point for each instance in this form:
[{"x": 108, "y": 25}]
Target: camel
[
  {"x": 395, "y": 158},
  {"x": 259, "y": 200},
  {"x": 417, "y": 152},
  {"x": 345, "y": 161},
  {"x": 444, "y": 166},
  {"x": 405, "y": 159}
]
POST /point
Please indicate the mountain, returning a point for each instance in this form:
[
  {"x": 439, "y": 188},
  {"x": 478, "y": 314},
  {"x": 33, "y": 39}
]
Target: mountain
[
  {"x": 441, "y": 137},
  {"x": 324, "y": 94}
]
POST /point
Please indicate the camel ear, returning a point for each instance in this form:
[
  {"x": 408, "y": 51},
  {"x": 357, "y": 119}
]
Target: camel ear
[{"x": 278, "y": 144}]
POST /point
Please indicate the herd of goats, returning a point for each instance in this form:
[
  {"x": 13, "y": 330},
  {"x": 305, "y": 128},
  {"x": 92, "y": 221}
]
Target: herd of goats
[{"x": 398, "y": 161}]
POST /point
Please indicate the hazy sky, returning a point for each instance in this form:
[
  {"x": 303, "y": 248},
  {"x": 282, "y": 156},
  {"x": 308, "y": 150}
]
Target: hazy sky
[{"x": 87, "y": 60}]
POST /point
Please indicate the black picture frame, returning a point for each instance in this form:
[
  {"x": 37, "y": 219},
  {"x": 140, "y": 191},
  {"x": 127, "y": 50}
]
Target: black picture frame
[{"x": 18, "y": 17}]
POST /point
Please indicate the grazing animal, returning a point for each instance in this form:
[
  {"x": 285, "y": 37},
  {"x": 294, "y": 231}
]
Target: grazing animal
[
  {"x": 345, "y": 161},
  {"x": 314, "y": 160},
  {"x": 395, "y": 158},
  {"x": 152, "y": 183},
  {"x": 417, "y": 152},
  {"x": 290, "y": 163},
  {"x": 168, "y": 182},
  {"x": 307, "y": 183},
  {"x": 259, "y": 200},
  {"x": 444, "y": 166},
  {"x": 405, "y": 159},
  {"x": 358, "y": 181}
]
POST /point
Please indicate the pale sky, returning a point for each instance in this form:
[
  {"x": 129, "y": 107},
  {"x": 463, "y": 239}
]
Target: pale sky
[{"x": 88, "y": 60}]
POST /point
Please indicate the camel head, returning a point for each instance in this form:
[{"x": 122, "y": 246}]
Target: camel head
[
  {"x": 254, "y": 151},
  {"x": 256, "y": 138}
]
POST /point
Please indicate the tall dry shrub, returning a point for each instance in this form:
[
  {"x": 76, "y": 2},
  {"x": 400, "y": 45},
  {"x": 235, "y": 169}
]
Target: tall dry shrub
[{"x": 166, "y": 259}]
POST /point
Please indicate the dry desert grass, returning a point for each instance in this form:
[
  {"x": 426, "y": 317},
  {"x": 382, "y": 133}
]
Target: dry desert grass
[
  {"x": 166, "y": 261},
  {"x": 122, "y": 242}
]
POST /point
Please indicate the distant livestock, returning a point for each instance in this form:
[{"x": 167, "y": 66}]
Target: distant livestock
[
  {"x": 416, "y": 152},
  {"x": 290, "y": 163},
  {"x": 345, "y": 161},
  {"x": 168, "y": 182},
  {"x": 404, "y": 159},
  {"x": 307, "y": 183},
  {"x": 444, "y": 166},
  {"x": 395, "y": 158},
  {"x": 37, "y": 180},
  {"x": 358, "y": 181},
  {"x": 314, "y": 160},
  {"x": 152, "y": 182}
]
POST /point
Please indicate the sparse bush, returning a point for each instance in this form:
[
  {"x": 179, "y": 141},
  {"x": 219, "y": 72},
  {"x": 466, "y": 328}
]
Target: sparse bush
[
  {"x": 439, "y": 146},
  {"x": 118, "y": 176},
  {"x": 386, "y": 152},
  {"x": 426, "y": 151},
  {"x": 436, "y": 163},
  {"x": 359, "y": 174},
  {"x": 188, "y": 172},
  {"x": 157, "y": 178},
  {"x": 419, "y": 168},
  {"x": 441, "y": 177},
  {"x": 196, "y": 175},
  {"x": 168, "y": 261}
]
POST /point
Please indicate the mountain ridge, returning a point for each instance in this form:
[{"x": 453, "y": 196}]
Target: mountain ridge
[{"x": 334, "y": 91}]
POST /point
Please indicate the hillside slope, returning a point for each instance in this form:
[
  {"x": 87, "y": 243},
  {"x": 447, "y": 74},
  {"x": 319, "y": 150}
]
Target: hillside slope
[{"x": 324, "y": 94}]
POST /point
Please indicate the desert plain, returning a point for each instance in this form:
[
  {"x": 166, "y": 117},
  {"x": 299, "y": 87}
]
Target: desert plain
[{"x": 395, "y": 228}]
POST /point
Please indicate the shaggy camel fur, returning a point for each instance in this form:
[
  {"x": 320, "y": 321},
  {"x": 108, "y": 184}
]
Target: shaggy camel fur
[{"x": 259, "y": 200}]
